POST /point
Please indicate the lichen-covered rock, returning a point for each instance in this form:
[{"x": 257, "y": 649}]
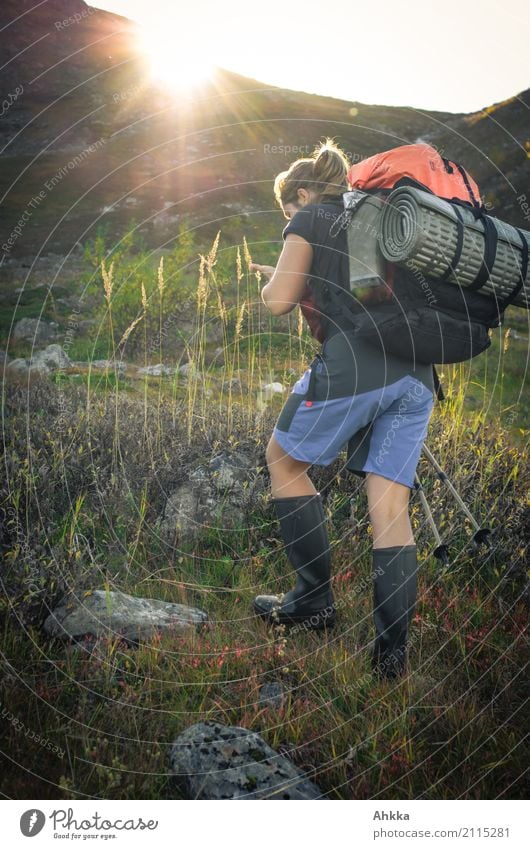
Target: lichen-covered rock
[
  {"x": 52, "y": 357},
  {"x": 214, "y": 761},
  {"x": 19, "y": 367},
  {"x": 116, "y": 614},
  {"x": 189, "y": 371},
  {"x": 271, "y": 695},
  {"x": 217, "y": 494},
  {"x": 231, "y": 470},
  {"x": 157, "y": 370},
  {"x": 35, "y": 330},
  {"x": 114, "y": 365}
]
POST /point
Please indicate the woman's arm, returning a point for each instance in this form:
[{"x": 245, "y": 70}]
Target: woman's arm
[{"x": 289, "y": 279}]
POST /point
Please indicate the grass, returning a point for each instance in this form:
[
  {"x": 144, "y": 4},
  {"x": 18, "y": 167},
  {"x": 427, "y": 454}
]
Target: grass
[{"x": 89, "y": 464}]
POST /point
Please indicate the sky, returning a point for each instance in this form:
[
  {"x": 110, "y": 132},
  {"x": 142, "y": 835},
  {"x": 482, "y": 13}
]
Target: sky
[{"x": 455, "y": 56}]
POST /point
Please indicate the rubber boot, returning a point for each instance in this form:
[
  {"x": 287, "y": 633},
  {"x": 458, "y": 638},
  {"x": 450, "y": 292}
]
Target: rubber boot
[
  {"x": 303, "y": 529},
  {"x": 395, "y": 589}
]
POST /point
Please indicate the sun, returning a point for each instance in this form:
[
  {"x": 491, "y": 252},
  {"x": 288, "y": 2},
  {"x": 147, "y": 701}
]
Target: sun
[{"x": 174, "y": 63}]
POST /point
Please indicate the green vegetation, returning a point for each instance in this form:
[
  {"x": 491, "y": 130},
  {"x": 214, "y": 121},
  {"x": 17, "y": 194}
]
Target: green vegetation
[{"x": 89, "y": 464}]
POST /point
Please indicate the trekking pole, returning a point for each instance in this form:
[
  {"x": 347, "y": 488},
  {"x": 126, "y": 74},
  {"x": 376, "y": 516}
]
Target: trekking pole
[
  {"x": 441, "y": 552},
  {"x": 481, "y": 535}
]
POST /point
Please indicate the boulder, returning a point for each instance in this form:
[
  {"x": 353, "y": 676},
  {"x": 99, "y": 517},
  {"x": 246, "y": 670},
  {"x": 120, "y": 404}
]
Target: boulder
[
  {"x": 214, "y": 761},
  {"x": 217, "y": 494},
  {"x": 270, "y": 389},
  {"x": 35, "y": 330},
  {"x": 189, "y": 370},
  {"x": 271, "y": 695},
  {"x": 157, "y": 370},
  {"x": 229, "y": 471},
  {"x": 18, "y": 366},
  {"x": 52, "y": 357},
  {"x": 116, "y": 614},
  {"x": 114, "y": 365}
]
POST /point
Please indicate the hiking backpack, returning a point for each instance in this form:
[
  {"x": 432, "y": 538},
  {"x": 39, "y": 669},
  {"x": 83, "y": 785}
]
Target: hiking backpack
[{"x": 387, "y": 299}]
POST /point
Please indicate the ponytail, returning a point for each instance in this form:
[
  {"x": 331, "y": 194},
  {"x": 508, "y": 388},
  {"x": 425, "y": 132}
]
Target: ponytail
[{"x": 324, "y": 173}]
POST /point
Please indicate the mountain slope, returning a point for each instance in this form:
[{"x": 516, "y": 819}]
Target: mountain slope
[{"x": 95, "y": 142}]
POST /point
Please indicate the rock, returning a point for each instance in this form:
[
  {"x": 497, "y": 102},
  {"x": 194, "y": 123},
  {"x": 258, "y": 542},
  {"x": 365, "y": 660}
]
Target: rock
[
  {"x": 52, "y": 357},
  {"x": 189, "y": 370},
  {"x": 214, "y": 761},
  {"x": 39, "y": 367},
  {"x": 271, "y": 695},
  {"x": 217, "y": 494},
  {"x": 157, "y": 370},
  {"x": 4, "y": 358},
  {"x": 181, "y": 518},
  {"x": 230, "y": 471},
  {"x": 270, "y": 389},
  {"x": 115, "y": 365},
  {"x": 86, "y": 325},
  {"x": 35, "y": 330},
  {"x": 43, "y": 362},
  {"x": 114, "y": 614},
  {"x": 18, "y": 366},
  {"x": 72, "y": 302}
]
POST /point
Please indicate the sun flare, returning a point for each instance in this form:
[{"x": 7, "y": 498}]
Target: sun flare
[{"x": 174, "y": 63}]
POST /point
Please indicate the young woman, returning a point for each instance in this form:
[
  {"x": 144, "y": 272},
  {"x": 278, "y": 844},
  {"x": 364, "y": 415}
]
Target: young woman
[{"x": 353, "y": 394}]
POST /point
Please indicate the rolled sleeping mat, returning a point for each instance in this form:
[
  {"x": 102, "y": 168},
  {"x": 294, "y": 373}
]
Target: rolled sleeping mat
[{"x": 445, "y": 241}]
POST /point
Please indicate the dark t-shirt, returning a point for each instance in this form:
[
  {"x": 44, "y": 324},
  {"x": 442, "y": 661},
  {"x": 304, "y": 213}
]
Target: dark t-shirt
[
  {"x": 330, "y": 260},
  {"x": 330, "y": 265}
]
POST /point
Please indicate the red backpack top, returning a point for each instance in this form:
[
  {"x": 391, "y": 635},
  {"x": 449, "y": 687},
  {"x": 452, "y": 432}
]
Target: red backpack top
[{"x": 419, "y": 165}]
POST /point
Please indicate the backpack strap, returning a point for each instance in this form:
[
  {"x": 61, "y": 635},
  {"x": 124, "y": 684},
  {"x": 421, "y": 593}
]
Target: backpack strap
[
  {"x": 523, "y": 271},
  {"x": 459, "y": 244},
  {"x": 475, "y": 201},
  {"x": 490, "y": 252}
]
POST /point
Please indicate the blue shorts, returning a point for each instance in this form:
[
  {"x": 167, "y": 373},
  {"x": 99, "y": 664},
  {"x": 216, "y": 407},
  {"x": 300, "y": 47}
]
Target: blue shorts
[{"x": 383, "y": 429}]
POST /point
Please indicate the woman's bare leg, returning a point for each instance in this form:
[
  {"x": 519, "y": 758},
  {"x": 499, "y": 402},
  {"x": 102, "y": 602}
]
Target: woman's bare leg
[
  {"x": 288, "y": 476},
  {"x": 388, "y": 506}
]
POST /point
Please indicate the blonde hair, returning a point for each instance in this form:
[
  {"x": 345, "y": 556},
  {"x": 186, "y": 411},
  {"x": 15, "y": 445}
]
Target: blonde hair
[{"x": 325, "y": 172}]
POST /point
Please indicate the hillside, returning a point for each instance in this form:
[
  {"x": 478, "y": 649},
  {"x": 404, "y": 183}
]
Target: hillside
[{"x": 97, "y": 143}]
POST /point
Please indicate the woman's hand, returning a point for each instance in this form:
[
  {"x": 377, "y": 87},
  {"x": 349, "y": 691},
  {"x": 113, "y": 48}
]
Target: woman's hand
[{"x": 267, "y": 270}]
